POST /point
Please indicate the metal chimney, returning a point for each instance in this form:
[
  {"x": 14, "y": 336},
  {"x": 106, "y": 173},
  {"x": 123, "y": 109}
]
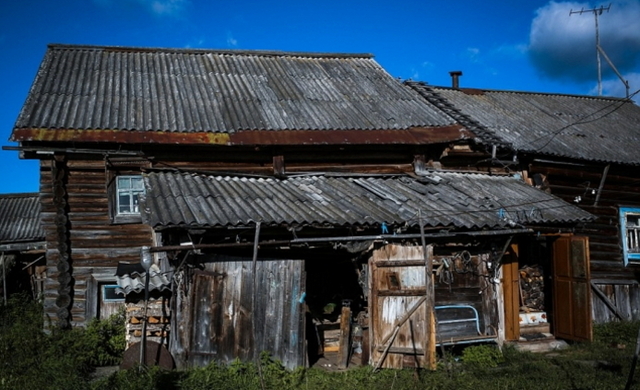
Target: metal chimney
[{"x": 455, "y": 78}]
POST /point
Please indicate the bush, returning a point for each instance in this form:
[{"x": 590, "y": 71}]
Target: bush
[
  {"x": 107, "y": 340},
  {"x": 31, "y": 358}
]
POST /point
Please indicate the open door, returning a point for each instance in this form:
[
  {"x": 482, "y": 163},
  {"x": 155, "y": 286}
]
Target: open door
[{"x": 571, "y": 292}]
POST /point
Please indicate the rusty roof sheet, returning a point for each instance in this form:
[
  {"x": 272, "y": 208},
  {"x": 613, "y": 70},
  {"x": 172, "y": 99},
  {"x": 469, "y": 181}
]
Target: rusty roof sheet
[
  {"x": 20, "y": 218},
  {"x": 456, "y": 200},
  {"x": 582, "y": 127},
  {"x": 85, "y": 89}
]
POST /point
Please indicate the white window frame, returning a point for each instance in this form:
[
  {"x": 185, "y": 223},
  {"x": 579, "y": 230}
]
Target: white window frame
[
  {"x": 133, "y": 193},
  {"x": 630, "y": 234}
]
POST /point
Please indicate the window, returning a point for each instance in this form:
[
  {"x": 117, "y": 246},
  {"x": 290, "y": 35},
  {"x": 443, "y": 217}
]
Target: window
[
  {"x": 630, "y": 226},
  {"x": 125, "y": 192},
  {"x": 128, "y": 189},
  {"x": 109, "y": 293}
]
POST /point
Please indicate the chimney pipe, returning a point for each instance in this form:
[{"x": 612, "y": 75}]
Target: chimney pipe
[{"x": 455, "y": 78}]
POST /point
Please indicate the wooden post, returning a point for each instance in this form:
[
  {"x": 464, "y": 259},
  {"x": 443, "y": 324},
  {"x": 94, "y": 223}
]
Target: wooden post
[
  {"x": 345, "y": 336},
  {"x": 511, "y": 295},
  {"x": 430, "y": 339}
]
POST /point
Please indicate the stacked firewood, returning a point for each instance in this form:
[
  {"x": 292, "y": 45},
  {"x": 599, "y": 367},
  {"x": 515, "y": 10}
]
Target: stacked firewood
[{"x": 531, "y": 288}]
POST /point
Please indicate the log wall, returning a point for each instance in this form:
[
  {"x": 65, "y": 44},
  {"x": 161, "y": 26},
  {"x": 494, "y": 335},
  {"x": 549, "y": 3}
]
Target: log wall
[
  {"x": 94, "y": 243},
  {"x": 602, "y": 194}
]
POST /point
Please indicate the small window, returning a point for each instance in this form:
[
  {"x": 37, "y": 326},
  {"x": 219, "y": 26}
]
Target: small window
[
  {"x": 630, "y": 233},
  {"x": 129, "y": 189},
  {"x": 109, "y": 293}
]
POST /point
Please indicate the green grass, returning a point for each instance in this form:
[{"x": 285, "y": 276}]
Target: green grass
[{"x": 33, "y": 359}]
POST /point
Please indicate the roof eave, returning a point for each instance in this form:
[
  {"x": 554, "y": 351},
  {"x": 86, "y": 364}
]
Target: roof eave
[{"x": 410, "y": 136}]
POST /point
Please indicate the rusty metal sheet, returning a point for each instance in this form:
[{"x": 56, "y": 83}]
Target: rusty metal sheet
[
  {"x": 412, "y": 136},
  {"x": 119, "y": 136}
]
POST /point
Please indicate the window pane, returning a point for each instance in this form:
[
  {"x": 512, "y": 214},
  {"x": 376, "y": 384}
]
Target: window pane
[
  {"x": 124, "y": 203},
  {"x": 109, "y": 294},
  {"x": 124, "y": 183},
  {"x": 128, "y": 191},
  {"x": 633, "y": 233},
  {"x": 134, "y": 206},
  {"x": 136, "y": 183}
]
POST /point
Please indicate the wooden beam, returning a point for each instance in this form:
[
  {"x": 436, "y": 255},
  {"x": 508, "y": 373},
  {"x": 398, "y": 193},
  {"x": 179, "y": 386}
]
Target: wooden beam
[{"x": 602, "y": 180}]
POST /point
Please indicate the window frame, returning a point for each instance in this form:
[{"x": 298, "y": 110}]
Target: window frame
[
  {"x": 111, "y": 286},
  {"x": 131, "y": 192},
  {"x": 118, "y": 167},
  {"x": 629, "y": 257}
]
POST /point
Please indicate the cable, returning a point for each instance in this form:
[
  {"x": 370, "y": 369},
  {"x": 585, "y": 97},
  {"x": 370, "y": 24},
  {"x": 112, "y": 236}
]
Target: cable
[{"x": 582, "y": 121}]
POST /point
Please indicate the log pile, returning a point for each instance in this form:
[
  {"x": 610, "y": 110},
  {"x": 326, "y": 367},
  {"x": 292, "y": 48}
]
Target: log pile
[
  {"x": 158, "y": 322},
  {"x": 531, "y": 288}
]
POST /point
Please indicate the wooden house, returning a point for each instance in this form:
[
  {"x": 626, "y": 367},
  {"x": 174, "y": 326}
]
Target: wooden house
[
  {"x": 277, "y": 193},
  {"x": 580, "y": 148},
  {"x": 22, "y": 245}
]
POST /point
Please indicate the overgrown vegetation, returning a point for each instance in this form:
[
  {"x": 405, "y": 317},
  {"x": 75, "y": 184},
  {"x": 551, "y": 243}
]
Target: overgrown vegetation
[{"x": 31, "y": 358}]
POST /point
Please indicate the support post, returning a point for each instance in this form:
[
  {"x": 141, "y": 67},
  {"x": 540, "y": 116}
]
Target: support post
[
  {"x": 345, "y": 335},
  {"x": 430, "y": 342}
]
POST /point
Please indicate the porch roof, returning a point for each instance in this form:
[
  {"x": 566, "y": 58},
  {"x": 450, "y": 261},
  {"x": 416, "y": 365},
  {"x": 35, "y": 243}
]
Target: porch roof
[{"x": 445, "y": 199}]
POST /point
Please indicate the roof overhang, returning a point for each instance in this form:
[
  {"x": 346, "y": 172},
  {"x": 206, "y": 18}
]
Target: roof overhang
[{"x": 410, "y": 136}]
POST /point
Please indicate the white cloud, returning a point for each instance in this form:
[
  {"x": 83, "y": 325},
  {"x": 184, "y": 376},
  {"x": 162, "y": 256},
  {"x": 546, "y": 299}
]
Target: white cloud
[
  {"x": 615, "y": 87},
  {"x": 195, "y": 43},
  {"x": 562, "y": 45},
  {"x": 231, "y": 41},
  {"x": 166, "y": 7},
  {"x": 171, "y": 8},
  {"x": 472, "y": 53}
]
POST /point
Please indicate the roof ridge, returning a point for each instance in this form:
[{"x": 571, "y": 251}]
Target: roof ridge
[
  {"x": 484, "y": 90},
  {"x": 443, "y": 104},
  {"x": 240, "y": 52}
]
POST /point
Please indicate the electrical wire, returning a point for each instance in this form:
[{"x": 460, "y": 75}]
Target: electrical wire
[{"x": 581, "y": 121}]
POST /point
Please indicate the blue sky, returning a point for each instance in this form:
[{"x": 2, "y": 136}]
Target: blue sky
[{"x": 518, "y": 45}]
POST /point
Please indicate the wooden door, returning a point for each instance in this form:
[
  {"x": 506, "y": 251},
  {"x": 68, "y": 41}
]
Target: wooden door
[
  {"x": 571, "y": 292},
  {"x": 234, "y": 315},
  {"x": 398, "y": 298}
]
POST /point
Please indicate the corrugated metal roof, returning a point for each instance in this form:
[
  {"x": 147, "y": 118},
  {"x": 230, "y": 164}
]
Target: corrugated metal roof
[
  {"x": 458, "y": 200},
  {"x": 20, "y": 218},
  {"x": 174, "y": 90},
  {"x": 582, "y": 127}
]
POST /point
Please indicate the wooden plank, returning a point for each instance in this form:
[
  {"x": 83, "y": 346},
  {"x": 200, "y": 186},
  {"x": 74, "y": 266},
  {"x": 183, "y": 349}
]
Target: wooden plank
[
  {"x": 344, "y": 345},
  {"x": 511, "y": 296},
  {"x": 607, "y": 301}
]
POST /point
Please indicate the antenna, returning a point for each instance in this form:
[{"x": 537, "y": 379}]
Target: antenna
[{"x": 596, "y": 12}]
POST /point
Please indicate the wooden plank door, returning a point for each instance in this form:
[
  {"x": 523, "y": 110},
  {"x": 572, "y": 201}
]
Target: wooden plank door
[
  {"x": 234, "y": 315},
  {"x": 398, "y": 291},
  {"x": 571, "y": 290}
]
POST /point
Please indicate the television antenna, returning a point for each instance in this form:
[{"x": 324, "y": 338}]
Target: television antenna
[{"x": 599, "y": 50}]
